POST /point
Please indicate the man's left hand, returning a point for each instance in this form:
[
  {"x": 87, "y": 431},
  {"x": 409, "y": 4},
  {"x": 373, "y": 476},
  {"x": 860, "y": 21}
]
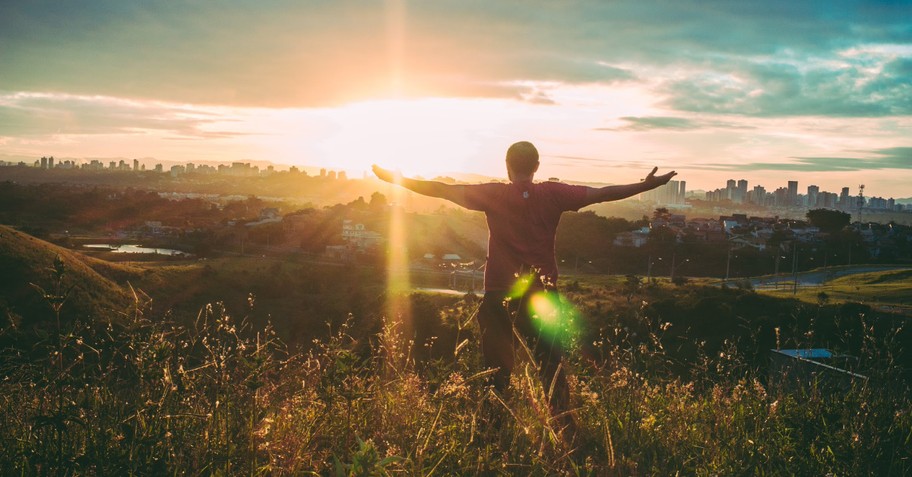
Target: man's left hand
[{"x": 654, "y": 181}]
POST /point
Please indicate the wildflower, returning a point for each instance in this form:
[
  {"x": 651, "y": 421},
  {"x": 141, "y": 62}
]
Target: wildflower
[
  {"x": 648, "y": 423},
  {"x": 454, "y": 386},
  {"x": 759, "y": 390},
  {"x": 392, "y": 450}
]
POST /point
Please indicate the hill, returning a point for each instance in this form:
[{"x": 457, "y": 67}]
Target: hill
[
  {"x": 884, "y": 290},
  {"x": 98, "y": 286}
]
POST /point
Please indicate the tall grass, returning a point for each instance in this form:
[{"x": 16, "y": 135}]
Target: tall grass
[{"x": 147, "y": 396}]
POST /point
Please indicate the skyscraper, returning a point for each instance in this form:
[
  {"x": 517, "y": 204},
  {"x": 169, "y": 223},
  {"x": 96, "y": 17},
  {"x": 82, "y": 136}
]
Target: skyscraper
[
  {"x": 792, "y": 193},
  {"x": 813, "y": 192},
  {"x": 758, "y": 195},
  {"x": 742, "y": 191},
  {"x": 730, "y": 188},
  {"x": 844, "y": 202}
]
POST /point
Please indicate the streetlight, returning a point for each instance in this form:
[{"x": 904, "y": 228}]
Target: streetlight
[
  {"x": 672, "y": 274},
  {"x": 795, "y": 269}
]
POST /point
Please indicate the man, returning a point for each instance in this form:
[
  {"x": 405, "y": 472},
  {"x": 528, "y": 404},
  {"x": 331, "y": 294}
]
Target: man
[{"x": 522, "y": 219}]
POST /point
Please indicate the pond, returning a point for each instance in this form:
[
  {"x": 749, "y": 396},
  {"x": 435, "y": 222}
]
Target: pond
[{"x": 133, "y": 249}]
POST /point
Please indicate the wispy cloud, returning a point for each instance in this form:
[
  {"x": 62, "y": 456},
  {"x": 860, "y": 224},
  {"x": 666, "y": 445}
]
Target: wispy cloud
[
  {"x": 861, "y": 86},
  {"x": 649, "y": 123},
  {"x": 899, "y": 158},
  {"x": 31, "y": 114}
]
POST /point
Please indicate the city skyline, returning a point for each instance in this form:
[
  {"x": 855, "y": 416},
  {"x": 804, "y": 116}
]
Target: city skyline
[
  {"x": 606, "y": 91},
  {"x": 675, "y": 192}
]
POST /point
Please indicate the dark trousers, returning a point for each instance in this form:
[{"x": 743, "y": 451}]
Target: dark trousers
[{"x": 497, "y": 317}]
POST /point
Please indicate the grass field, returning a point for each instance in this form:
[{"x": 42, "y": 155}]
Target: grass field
[
  {"x": 885, "y": 290},
  {"x": 667, "y": 379}
]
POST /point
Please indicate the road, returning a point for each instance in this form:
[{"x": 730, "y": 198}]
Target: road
[{"x": 818, "y": 277}]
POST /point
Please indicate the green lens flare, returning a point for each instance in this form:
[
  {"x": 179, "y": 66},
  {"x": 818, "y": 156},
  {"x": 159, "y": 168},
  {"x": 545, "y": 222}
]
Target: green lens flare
[
  {"x": 553, "y": 317},
  {"x": 521, "y": 286}
]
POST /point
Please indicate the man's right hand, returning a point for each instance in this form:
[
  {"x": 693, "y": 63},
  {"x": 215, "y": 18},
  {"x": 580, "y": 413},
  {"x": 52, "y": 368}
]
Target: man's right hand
[{"x": 386, "y": 175}]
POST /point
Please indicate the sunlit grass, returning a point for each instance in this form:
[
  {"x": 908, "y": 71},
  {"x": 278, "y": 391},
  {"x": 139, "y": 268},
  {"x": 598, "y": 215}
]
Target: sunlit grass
[
  {"x": 891, "y": 289},
  {"x": 220, "y": 397}
]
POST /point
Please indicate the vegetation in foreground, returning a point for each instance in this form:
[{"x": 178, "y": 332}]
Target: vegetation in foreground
[{"x": 146, "y": 396}]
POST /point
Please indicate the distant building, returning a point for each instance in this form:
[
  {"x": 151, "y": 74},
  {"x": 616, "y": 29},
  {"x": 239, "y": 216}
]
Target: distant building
[
  {"x": 636, "y": 238},
  {"x": 813, "y": 193},
  {"x": 357, "y": 236},
  {"x": 671, "y": 193},
  {"x": 844, "y": 201},
  {"x": 741, "y": 195},
  {"x": 792, "y": 199}
]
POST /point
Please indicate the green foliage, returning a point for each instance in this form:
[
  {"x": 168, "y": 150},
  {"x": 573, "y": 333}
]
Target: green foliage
[{"x": 828, "y": 220}]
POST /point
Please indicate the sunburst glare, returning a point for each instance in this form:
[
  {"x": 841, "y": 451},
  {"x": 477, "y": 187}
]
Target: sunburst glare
[{"x": 398, "y": 283}]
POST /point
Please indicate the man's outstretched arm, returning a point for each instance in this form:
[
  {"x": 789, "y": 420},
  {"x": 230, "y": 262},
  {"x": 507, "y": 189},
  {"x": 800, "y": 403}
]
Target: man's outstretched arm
[
  {"x": 618, "y": 192},
  {"x": 452, "y": 192}
]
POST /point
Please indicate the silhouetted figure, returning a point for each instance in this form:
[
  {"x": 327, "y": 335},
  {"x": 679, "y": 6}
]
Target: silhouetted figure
[{"x": 521, "y": 273}]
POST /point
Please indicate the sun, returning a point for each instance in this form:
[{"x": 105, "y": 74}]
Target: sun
[{"x": 417, "y": 136}]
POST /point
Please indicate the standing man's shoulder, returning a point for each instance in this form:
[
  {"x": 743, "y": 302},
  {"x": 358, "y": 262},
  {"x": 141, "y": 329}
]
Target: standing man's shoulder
[
  {"x": 482, "y": 196},
  {"x": 569, "y": 196}
]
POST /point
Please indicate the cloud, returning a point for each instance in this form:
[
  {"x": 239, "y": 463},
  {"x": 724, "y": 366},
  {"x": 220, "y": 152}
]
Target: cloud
[
  {"x": 899, "y": 158},
  {"x": 867, "y": 84},
  {"x": 591, "y": 162},
  {"x": 285, "y": 53},
  {"x": 53, "y": 114},
  {"x": 649, "y": 123}
]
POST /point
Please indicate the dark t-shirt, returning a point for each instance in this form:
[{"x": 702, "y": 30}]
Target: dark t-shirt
[{"x": 522, "y": 223}]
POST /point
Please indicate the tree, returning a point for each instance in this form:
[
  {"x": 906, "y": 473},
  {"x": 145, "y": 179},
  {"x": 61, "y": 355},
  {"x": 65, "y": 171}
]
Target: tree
[
  {"x": 378, "y": 202},
  {"x": 828, "y": 221},
  {"x": 661, "y": 213}
]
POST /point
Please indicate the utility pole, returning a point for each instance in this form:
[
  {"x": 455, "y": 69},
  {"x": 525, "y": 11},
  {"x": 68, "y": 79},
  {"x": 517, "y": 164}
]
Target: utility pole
[{"x": 795, "y": 268}]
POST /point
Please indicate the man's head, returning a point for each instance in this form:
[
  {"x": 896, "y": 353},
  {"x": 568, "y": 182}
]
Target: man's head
[{"x": 522, "y": 160}]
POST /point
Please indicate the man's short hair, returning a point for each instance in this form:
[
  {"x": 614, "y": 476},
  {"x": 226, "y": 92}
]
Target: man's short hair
[{"x": 522, "y": 158}]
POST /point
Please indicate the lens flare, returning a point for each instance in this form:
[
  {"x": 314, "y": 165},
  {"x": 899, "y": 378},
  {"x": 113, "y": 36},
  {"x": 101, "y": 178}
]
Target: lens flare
[
  {"x": 398, "y": 282},
  {"x": 553, "y": 317},
  {"x": 521, "y": 286}
]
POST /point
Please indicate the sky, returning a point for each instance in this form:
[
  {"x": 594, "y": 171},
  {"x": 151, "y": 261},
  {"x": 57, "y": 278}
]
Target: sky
[{"x": 768, "y": 91}]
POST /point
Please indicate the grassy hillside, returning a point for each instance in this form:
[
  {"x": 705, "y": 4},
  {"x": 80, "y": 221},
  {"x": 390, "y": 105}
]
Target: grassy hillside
[
  {"x": 889, "y": 290},
  {"x": 667, "y": 379},
  {"x": 218, "y": 398},
  {"x": 299, "y": 298},
  {"x": 97, "y": 285}
]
